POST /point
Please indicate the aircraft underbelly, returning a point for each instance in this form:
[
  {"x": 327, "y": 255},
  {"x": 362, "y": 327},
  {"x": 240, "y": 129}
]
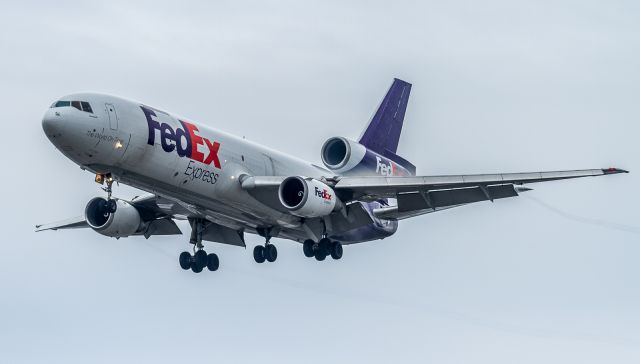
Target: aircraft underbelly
[{"x": 242, "y": 211}]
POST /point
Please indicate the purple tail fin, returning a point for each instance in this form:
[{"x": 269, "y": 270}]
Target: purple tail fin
[{"x": 383, "y": 132}]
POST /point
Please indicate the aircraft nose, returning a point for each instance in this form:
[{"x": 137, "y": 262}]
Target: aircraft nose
[{"x": 52, "y": 123}]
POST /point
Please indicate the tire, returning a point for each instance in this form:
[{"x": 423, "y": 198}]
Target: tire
[
  {"x": 270, "y": 253},
  {"x": 258, "y": 254},
  {"x": 112, "y": 206},
  {"x": 103, "y": 207},
  {"x": 200, "y": 259},
  {"x": 320, "y": 255},
  {"x": 325, "y": 245},
  {"x": 336, "y": 250},
  {"x": 307, "y": 248},
  {"x": 195, "y": 268},
  {"x": 185, "y": 260},
  {"x": 213, "y": 263}
]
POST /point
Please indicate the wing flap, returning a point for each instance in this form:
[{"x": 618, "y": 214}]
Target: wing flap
[
  {"x": 224, "y": 235},
  {"x": 411, "y": 201},
  {"x": 392, "y": 213},
  {"x": 164, "y": 226}
]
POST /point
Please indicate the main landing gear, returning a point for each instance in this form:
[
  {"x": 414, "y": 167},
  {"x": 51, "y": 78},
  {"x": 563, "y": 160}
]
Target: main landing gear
[
  {"x": 268, "y": 252},
  {"x": 200, "y": 259},
  {"x": 322, "y": 249}
]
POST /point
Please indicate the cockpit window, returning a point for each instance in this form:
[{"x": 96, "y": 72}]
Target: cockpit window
[
  {"x": 86, "y": 107},
  {"x": 62, "y": 103},
  {"x": 80, "y": 105}
]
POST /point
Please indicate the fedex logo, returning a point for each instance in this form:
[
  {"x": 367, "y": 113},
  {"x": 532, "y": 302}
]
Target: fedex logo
[
  {"x": 384, "y": 169},
  {"x": 323, "y": 194},
  {"x": 184, "y": 141}
]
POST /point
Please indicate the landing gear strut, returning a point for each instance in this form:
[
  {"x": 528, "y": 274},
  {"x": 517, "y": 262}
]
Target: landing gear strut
[
  {"x": 200, "y": 259},
  {"x": 111, "y": 205},
  {"x": 268, "y": 252}
]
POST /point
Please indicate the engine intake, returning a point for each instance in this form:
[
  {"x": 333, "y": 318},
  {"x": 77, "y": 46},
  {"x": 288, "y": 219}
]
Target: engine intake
[
  {"x": 125, "y": 221},
  {"x": 307, "y": 197},
  {"x": 343, "y": 156}
]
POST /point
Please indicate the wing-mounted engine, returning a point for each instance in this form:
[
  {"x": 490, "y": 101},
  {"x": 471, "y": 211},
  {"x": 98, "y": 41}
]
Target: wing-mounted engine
[
  {"x": 125, "y": 221},
  {"x": 307, "y": 197},
  {"x": 345, "y": 156}
]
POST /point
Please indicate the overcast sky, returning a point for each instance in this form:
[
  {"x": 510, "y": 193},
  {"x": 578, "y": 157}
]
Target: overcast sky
[{"x": 501, "y": 86}]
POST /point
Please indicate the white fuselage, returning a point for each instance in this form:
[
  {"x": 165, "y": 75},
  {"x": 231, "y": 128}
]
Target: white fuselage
[
  {"x": 175, "y": 158},
  {"x": 114, "y": 138}
]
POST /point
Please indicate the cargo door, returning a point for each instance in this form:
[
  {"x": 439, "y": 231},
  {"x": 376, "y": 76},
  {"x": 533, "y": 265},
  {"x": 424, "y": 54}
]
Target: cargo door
[{"x": 113, "y": 116}]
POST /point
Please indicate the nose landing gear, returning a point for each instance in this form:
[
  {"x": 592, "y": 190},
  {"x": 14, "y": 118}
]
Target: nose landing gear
[{"x": 111, "y": 206}]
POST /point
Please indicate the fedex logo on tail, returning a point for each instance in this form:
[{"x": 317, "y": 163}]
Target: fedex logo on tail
[
  {"x": 384, "y": 169},
  {"x": 324, "y": 194},
  {"x": 390, "y": 169},
  {"x": 184, "y": 141}
]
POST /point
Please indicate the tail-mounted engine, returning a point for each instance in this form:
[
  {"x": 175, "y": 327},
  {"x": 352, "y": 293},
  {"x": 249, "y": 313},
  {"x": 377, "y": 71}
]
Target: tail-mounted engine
[
  {"x": 123, "y": 222},
  {"x": 345, "y": 156},
  {"x": 307, "y": 197}
]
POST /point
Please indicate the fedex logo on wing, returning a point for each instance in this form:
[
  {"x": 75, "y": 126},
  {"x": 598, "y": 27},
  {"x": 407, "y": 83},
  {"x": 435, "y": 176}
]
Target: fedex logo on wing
[
  {"x": 324, "y": 194},
  {"x": 184, "y": 141}
]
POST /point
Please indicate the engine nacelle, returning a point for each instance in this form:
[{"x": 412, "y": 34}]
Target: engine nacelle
[
  {"x": 342, "y": 155},
  {"x": 124, "y": 222},
  {"x": 307, "y": 197}
]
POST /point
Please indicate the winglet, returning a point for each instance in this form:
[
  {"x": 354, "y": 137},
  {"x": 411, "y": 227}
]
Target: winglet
[{"x": 613, "y": 171}]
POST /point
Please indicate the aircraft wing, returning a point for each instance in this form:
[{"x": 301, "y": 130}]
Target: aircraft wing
[
  {"x": 423, "y": 194},
  {"x": 157, "y": 211},
  {"x": 72, "y": 223}
]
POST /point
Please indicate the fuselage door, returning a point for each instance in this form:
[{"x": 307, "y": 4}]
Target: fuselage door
[
  {"x": 113, "y": 117},
  {"x": 269, "y": 169}
]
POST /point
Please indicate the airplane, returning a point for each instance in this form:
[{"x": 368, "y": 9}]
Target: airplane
[{"x": 226, "y": 186}]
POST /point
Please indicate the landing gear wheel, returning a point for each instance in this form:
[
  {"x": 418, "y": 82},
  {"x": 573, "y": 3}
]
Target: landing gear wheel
[
  {"x": 270, "y": 253},
  {"x": 200, "y": 259},
  {"x": 185, "y": 260},
  {"x": 112, "y": 206},
  {"x": 213, "y": 262},
  {"x": 336, "y": 250},
  {"x": 196, "y": 268},
  {"x": 307, "y": 248},
  {"x": 320, "y": 254},
  {"x": 258, "y": 254},
  {"x": 102, "y": 206},
  {"x": 325, "y": 245}
]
